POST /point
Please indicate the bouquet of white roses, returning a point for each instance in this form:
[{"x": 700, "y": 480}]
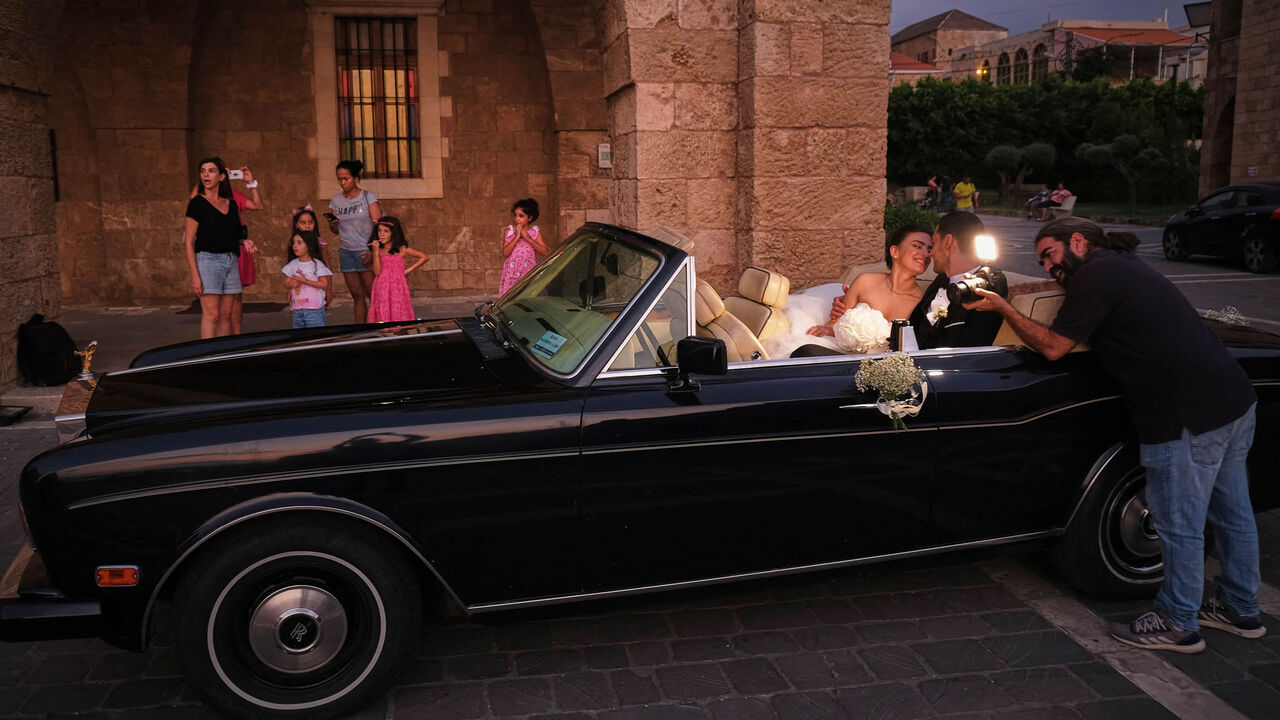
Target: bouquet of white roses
[{"x": 899, "y": 382}]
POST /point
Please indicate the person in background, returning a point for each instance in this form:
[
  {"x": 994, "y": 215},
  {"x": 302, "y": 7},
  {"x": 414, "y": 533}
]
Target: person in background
[
  {"x": 351, "y": 216},
  {"x": 307, "y": 278},
  {"x": 1054, "y": 200},
  {"x": 948, "y": 199},
  {"x": 304, "y": 219},
  {"x": 390, "y": 300},
  {"x": 248, "y": 273},
  {"x": 966, "y": 195},
  {"x": 1034, "y": 203},
  {"x": 213, "y": 244},
  {"x": 521, "y": 245}
]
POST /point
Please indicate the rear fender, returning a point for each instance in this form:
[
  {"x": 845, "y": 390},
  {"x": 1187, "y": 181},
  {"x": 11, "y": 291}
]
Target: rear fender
[{"x": 289, "y": 503}]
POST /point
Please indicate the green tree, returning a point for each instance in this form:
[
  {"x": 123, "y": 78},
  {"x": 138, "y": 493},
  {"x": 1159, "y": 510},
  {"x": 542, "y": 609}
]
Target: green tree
[
  {"x": 1008, "y": 160},
  {"x": 1128, "y": 158}
]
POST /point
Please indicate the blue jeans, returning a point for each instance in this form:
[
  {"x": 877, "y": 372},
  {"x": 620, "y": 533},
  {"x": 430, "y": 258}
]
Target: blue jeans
[
  {"x": 1190, "y": 480},
  {"x": 308, "y": 317}
]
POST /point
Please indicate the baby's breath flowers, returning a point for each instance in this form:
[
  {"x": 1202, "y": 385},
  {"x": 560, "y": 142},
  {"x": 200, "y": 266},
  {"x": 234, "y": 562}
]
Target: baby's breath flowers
[
  {"x": 895, "y": 377},
  {"x": 1229, "y": 315}
]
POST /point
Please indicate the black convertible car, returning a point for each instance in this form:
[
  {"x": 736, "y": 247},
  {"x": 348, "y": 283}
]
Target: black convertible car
[
  {"x": 575, "y": 440},
  {"x": 1238, "y": 221}
]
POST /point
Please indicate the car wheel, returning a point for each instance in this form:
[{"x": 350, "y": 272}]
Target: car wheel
[
  {"x": 1110, "y": 548},
  {"x": 306, "y": 621},
  {"x": 1175, "y": 245},
  {"x": 1259, "y": 255}
]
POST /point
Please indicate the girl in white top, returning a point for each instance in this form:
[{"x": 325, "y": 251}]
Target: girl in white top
[{"x": 307, "y": 278}]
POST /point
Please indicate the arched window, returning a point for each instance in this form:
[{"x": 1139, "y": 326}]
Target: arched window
[
  {"x": 1040, "y": 63},
  {"x": 985, "y": 71},
  {"x": 1020, "y": 66},
  {"x": 1002, "y": 69}
]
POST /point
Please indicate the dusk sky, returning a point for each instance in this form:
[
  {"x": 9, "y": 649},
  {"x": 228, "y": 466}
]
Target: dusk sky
[{"x": 1023, "y": 15}]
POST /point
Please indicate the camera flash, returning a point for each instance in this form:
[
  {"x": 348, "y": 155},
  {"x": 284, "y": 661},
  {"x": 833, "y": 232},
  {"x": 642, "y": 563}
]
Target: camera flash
[{"x": 985, "y": 247}]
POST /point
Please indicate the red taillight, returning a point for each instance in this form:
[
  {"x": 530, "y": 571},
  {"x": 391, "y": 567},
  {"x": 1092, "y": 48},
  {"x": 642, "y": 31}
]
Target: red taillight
[
  {"x": 1275, "y": 214},
  {"x": 117, "y": 575}
]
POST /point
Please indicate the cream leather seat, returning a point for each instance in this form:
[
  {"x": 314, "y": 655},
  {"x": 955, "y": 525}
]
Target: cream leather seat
[
  {"x": 763, "y": 295},
  {"x": 715, "y": 322}
]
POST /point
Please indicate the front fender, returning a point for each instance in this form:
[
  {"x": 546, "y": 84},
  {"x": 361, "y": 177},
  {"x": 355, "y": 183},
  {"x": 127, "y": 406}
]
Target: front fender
[{"x": 257, "y": 508}]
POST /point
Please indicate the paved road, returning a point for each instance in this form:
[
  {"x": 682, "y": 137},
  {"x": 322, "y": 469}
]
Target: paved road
[{"x": 981, "y": 635}]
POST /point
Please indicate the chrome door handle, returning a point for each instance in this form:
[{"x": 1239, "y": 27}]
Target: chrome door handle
[{"x": 860, "y": 406}]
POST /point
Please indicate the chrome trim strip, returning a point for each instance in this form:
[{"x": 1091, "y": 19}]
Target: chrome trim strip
[
  {"x": 821, "y": 436},
  {"x": 758, "y": 575},
  {"x": 300, "y": 474},
  {"x": 287, "y": 349},
  {"x": 155, "y": 593}
]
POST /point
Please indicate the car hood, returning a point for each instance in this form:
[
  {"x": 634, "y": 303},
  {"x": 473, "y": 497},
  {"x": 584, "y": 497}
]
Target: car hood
[{"x": 279, "y": 373}]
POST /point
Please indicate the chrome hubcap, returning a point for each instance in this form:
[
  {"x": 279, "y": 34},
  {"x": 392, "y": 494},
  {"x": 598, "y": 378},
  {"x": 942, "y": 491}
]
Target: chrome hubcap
[
  {"x": 1132, "y": 540},
  {"x": 297, "y": 629}
]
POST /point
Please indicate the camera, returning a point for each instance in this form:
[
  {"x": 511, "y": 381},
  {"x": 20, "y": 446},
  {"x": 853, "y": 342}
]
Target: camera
[
  {"x": 235, "y": 174},
  {"x": 985, "y": 277}
]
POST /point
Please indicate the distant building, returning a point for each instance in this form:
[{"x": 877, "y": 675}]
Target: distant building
[
  {"x": 1139, "y": 49},
  {"x": 934, "y": 40},
  {"x": 903, "y": 69}
]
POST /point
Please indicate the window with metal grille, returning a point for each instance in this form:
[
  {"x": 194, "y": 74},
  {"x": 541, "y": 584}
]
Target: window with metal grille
[{"x": 377, "y": 63}]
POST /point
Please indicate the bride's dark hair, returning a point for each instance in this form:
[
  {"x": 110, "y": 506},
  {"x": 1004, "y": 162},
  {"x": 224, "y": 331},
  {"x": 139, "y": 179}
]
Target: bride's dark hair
[{"x": 896, "y": 238}]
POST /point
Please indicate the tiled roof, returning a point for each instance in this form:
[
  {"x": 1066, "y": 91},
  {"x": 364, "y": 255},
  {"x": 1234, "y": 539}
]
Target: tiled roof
[
  {"x": 950, "y": 20},
  {"x": 1134, "y": 36},
  {"x": 901, "y": 63}
]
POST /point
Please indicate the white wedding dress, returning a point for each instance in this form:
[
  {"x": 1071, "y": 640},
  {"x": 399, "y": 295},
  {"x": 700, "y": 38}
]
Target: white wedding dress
[{"x": 861, "y": 330}]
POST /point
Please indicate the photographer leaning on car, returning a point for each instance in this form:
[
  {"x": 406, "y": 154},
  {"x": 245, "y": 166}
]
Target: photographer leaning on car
[
  {"x": 1193, "y": 407},
  {"x": 938, "y": 319}
]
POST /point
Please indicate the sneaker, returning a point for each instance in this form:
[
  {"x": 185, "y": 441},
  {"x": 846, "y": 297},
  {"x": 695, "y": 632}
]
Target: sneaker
[
  {"x": 1216, "y": 614},
  {"x": 1154, "y": 631}
]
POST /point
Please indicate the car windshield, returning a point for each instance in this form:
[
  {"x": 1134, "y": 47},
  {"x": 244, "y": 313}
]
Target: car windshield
[{"x": 562, "y": 309}]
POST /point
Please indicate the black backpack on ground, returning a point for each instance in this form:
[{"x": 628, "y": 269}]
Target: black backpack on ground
[{"x": 46, "y": 354}]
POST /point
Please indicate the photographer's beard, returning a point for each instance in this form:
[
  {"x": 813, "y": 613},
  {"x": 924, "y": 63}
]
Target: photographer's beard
[{"x": 1062, "y": 271}]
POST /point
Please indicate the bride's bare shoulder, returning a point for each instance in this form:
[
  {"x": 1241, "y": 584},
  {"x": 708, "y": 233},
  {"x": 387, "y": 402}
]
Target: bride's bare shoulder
[{"x": 869, "y": 278}]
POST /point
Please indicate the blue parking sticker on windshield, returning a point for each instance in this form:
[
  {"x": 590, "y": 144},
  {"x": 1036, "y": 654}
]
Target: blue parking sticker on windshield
[{"x": 548, "y": 344}]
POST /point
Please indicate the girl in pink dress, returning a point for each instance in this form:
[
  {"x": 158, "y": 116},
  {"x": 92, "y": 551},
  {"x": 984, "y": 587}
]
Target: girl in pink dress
[
  {"x": 522, "y": 244},
  {"x": 390, "y": 300}
]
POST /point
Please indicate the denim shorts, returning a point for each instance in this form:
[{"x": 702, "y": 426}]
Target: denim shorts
[
  {"x": 349, "y": 261},
  {"x": 219, "y": 273},
  {"x": 308, "y": 317}
]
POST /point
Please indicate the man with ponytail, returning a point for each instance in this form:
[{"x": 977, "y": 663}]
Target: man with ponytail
[{"x": 1193, "y": 408}]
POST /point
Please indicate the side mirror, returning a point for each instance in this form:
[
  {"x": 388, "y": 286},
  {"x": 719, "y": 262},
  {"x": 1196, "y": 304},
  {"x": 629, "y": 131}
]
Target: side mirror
[{"x": 705, "y": 356}]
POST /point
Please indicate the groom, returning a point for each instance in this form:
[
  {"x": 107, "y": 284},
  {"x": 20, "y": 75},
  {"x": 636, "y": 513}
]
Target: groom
[{"x": 937, "y": 322}]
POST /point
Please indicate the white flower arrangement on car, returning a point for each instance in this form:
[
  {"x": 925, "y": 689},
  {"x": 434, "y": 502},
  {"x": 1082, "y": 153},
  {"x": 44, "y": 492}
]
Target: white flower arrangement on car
[{"x": 899, "y": 382}]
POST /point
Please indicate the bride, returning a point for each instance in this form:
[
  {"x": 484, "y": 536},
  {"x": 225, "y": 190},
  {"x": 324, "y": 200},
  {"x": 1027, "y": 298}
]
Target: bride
[{"x": 873, "y": 299}]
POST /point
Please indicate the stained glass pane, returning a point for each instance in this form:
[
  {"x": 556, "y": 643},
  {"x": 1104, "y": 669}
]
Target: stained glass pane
[{"x": 378, "y": 94}]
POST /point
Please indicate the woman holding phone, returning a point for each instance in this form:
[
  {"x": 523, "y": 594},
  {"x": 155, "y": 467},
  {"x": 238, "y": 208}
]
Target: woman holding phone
[{"x": 351, "y": 216}]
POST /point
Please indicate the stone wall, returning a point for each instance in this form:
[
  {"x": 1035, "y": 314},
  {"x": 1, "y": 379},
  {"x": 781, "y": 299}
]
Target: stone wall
[
  {"x": 1256, "y": 141},
  {"x": 134, "y": 132},
  {"x": 29, "y": 273}
]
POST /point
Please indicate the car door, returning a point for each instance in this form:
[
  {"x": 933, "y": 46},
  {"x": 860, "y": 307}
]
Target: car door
[
  {"x": 1017, "y": 437},
  {"x": 772, "y": 466},
  {"x": 1209, "y": 230}
]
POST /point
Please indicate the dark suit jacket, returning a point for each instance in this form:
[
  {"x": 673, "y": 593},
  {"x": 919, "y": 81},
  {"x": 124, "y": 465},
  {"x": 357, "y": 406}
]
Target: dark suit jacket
[{"x": 960, "y": 328}]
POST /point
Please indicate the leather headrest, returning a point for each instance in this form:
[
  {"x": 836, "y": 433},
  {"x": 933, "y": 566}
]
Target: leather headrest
[
  {"x": 768, "y": 288},
  {"x": 707, "y": 303}
]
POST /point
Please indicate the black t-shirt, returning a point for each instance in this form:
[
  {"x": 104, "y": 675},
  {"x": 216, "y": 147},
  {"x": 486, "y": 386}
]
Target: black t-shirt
[
  {"x": 1173, "y": 372},
  {"x": 217, "y": 233}
]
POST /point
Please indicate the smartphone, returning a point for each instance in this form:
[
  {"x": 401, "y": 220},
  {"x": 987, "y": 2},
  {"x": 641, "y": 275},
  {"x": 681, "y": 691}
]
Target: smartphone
[
  {"x": 331, "y": 217},
  {"x": 235, "y": 174}
]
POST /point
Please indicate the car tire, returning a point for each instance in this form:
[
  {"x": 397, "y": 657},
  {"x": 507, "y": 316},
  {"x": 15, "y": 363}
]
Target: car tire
[
  {"x": 1259, "y": 254},
  {"x": 309, "y": 621},
  {"x": 1175, "y": 245},
  {"x": 1110, "y": 548}
]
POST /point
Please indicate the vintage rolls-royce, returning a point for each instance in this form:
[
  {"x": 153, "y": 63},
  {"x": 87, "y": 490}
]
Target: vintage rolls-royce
[{"x": 607, "y": 427}]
